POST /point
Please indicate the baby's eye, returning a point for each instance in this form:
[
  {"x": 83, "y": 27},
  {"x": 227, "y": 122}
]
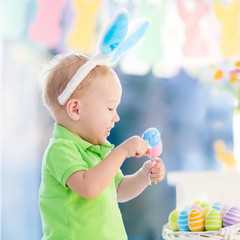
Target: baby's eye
[{"x": 110, "y": 109}]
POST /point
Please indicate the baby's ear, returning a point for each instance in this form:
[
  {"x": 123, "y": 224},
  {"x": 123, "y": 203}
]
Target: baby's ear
[{"x": 73, "y": 109}]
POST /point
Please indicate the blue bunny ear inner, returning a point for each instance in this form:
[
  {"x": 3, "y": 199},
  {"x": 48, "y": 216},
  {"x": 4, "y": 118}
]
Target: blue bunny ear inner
[
  {"x": 115, "y": 33},
  {"x": 138, "y": 32}
]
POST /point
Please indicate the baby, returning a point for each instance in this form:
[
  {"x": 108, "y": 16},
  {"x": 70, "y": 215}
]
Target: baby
[{"x": 81, "y": 178}]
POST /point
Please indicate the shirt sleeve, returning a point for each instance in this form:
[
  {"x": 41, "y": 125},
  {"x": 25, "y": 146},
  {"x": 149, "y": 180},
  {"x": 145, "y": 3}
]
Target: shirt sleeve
[
  {"x": 118, "y": 178},
  {"x": 63, "y": 160}
]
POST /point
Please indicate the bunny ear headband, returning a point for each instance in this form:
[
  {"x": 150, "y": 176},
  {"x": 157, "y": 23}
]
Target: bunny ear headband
[{"x": 113, "y": 45}]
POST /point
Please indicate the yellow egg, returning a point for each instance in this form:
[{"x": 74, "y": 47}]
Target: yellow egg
[
  {"x": 172, "y": 219},
  {"x": 206, "y": 210},
  {"x": 195, "y": 221},
  {"x": 197, "y": 202}
]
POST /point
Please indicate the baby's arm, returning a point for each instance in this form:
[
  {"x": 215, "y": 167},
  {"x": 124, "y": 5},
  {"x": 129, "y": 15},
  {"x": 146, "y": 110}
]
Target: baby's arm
[
  {"x": 131, "y": 186},
  {"x": 92, "y": 182}
]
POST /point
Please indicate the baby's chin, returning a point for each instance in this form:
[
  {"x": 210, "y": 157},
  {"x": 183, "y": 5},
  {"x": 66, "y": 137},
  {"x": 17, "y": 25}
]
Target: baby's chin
[{"x": 101, "y": 141}]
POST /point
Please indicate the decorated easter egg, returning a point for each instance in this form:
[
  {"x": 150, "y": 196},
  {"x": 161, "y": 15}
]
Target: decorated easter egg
[
  {"x": 232, "y": 216},
  {"x": 195, "y": 220},
  {"x": 224, "y": 209},
  {"x": 152, "y": 137},
  {"x": 217, "y": 206},
  {"x": 183, "y": 221},
  {"x": 213, "y": 220},
  {"x": 197, "y": 202},
  {"x": 204, "y": 204},
  {"x": 196, "y": 206},
  {"x": 173, "y": 219},
  {"x": 206, "y": 210},
  {"x": 156, "y": 151}
]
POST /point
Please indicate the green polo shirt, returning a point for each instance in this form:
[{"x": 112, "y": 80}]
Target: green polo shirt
[{"x": 65, "y": 214}]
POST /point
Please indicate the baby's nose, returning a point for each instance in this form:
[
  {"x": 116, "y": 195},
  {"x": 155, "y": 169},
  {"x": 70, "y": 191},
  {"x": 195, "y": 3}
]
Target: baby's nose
[{"x": 116, "y": 118}]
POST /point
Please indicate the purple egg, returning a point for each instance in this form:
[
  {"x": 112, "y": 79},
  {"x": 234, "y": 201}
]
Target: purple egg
[{"x": 231, "y": 217}]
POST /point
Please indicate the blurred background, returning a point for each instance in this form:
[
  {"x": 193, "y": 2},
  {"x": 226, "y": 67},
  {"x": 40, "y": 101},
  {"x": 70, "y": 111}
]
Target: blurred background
[{"x": 167, "y": 84}]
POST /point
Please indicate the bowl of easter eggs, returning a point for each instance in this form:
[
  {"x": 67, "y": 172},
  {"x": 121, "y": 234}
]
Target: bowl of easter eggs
[{"x": 201, "y": 220}]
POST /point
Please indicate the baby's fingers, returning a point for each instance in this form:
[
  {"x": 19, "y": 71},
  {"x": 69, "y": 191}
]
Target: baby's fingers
[
  {"x": 157, "y": 163},
  {"x": 157, "y": 177},
  {"x": 158, "y": 171}
]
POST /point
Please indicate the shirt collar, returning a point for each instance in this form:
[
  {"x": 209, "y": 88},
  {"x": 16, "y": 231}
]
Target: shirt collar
[{"x": 101, "y": 149}]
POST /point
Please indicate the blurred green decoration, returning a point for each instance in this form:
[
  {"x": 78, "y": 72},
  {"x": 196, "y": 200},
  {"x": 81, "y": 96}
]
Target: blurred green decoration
[
  {"x": 14, "y": 18},
  {"x": 152, "y": 48}
]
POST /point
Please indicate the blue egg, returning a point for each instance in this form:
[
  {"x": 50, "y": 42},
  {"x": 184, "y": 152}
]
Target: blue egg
[
  {"x": 218, "y": 206},
  {"x": 152, "y": 137},
  {"x": 183, "y": 221}
]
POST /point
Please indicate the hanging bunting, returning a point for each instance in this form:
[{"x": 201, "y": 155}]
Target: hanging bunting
[
  {"x": 14, "y": 18},
  {"x": 228, "y": 15},
  {"x": 179, "y": 36},
  {"x": 193, "y": 46},
  {"x": 82, "y": 37},
  {"x": 46, "y": 27}
]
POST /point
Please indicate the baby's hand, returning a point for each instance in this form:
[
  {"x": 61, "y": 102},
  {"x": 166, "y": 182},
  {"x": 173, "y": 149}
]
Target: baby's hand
[
  {"x": 156, "y": 168},
  {"x": 135, "y": 147}
]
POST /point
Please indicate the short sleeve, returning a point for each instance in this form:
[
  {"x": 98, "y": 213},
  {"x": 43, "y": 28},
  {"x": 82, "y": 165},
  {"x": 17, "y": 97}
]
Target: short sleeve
[
  {"x": 64, "y": 159},
  {"x": 118, "y": 178}
]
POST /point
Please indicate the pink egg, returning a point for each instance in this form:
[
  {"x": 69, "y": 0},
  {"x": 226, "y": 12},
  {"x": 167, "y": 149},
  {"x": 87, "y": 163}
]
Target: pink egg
[
  {"x": 196, "y": 206},
  {"x": 231, "y": 217},
  {"x": 224, "y": 209},
  {"x": 156, "y": 151}
]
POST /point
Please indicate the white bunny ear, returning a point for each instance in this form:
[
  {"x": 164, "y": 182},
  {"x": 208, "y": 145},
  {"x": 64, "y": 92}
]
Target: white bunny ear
[
  {"x": 115, "y": 33},
  {"x": 112, "y": 44},
  {"x": 137, "y": 33}
]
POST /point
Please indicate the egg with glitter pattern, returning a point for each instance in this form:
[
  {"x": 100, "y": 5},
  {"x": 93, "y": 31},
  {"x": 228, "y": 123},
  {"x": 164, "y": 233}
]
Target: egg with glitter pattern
[
  {"x": 232, "y": 216},
  {"x": 196, "y": 221},
  {"x": 213, "y": 220},
  {"x": 183, "y": 221}
]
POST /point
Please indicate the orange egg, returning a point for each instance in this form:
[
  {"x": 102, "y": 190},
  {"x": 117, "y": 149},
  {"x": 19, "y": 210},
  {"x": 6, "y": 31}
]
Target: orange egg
[{"x": 195, "y": 221}]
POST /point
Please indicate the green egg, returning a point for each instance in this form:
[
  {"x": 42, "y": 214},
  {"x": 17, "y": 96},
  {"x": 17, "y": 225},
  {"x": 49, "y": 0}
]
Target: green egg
[
  {"x": 172, "y": 219},
  {"x": 204, "y": 204},
  {"x": 213, "y": 220}
]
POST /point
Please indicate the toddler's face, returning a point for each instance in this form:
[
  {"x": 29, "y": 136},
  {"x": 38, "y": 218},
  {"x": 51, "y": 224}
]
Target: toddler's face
[{"x": 99, "y": 109}]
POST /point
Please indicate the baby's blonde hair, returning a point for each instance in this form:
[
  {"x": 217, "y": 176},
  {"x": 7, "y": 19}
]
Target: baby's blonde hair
[{"x": 57, "y": 75}]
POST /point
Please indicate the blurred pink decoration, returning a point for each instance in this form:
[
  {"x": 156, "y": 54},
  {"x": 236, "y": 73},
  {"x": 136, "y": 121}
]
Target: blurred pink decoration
[
  {"x": 46, "y": 27},
  {"x": 193, "y": 45}
]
